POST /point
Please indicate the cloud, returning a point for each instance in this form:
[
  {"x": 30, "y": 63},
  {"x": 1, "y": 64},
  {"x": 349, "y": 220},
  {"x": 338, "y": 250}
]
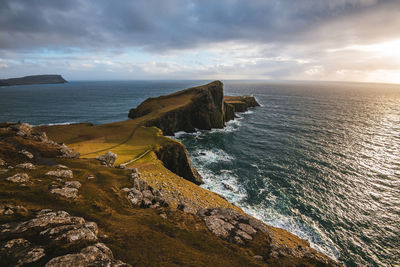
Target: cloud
[{"x": 273, "y": 39}]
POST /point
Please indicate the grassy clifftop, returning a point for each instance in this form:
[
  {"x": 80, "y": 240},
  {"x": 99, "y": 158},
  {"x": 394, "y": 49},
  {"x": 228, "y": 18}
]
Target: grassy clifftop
[{"x": 193, "y": 226}]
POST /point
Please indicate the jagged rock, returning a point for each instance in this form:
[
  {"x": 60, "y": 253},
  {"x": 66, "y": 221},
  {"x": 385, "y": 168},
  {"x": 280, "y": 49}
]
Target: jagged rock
[
  {"x": 107, "y": 159},
  {"x": 68, "y": 153},
  {"x": 258, "y": 257},
  {"x": 143, "y": 195},
  {"x": 90, "y": 177},
  {"x": 67, "y": 192},
  {"x": 230, "y": 225},
  {"x": 2, "y": 163},
  {"x": 54, "y": 229},
  {"x": 61, "y": 173},
  {"x": 18, "y": 178},
  {"x": 26, "y": 166},
  {"x": 27, "y": 154}
]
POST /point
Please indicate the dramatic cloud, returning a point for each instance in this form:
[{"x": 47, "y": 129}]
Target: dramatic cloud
[{"x": 281, "y": 39}]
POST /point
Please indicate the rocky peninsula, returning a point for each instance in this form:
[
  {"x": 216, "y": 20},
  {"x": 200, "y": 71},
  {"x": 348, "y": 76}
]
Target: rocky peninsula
[
  {"x": 33, "y": 79},
  {"x": 125, "y": 194}
]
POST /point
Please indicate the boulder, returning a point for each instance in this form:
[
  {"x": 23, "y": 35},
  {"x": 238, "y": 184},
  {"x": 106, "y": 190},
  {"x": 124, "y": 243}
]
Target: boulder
[
  {"x": 67, "y": 192},
  {"x": 61, "y": 173},
  {"x": 107, "y": 159},
  {"x": 18, "y": 178},
  {"x": 26, "y": 166},
  {"x": 22, "y": 129},
  {"x": 27, "y": 154}
]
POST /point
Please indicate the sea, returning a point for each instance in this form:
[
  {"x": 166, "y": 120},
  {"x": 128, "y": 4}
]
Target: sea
[{"x": 319, "y": 159}]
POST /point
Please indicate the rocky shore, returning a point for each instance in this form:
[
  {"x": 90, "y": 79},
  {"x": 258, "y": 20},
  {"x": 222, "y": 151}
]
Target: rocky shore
[{"x": 123, "y": 194}]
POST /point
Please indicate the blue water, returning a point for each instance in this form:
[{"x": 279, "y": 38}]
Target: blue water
[{"x": 321, "y": 160}]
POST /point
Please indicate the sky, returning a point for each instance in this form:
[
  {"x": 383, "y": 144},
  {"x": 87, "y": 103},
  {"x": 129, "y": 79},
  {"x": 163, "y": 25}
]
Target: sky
[{"x": 332, "y": 40}]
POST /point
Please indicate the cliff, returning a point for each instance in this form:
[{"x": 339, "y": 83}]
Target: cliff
[
  {"x": 34, "y": 79},
  {"x": 203, "y": 107},
  {"x": 122, "y": 193}
]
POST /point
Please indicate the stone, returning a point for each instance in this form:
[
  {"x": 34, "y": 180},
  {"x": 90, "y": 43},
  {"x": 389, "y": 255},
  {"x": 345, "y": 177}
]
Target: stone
[
  {"x": 73, "y": 184},
  {"x": 90, "y": 177},
  {"x": 21, "y": 251},
  {"x": 229, "y": 224},
  {"x": 67, "y": 192},
  {"x": 50, "y": 229},
  {"x": 2, "y": 163},
  {"x": 107, "y": 159},
  {"x": 22, "y": 129},
  {"x": 60, "y": 173},
  {"x": 66, "y": 152},
  {"x": 26, "y": 166},
  {"x": 18, "y": 178},
  {"x": 28, "y": 154}
]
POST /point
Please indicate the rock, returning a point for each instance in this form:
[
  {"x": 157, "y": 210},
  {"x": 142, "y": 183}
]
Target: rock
[
  {"x": 90, "y": 177},
  {"x": 27, "y": 154},
  {"x": 21, "y": 251},
  {"x": 22, "y": 129},
  {"x": 175, "y": 157},
  {"x": 18, "y": 178},
  {"x": 26, "y": 166},
  {"x": 73, "y": 184},
  {"x": 66, "y": 152},
  {"x": 107, "y": 159},
  {"x": 61, "y": 173},
  {"x": 54, "y": 229},
  {"x": 8, "y": 212},
  {"x": 67, "y": 192},
  {"x": 143, "y": 195},
  {"x": 229, "y": 224},
  {"x": 2, "y": 163},
  {"x": 95, "y": 255},
  {"x": 51, "y": 229}
]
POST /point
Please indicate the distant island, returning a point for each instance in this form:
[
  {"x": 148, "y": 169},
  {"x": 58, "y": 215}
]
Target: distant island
[{"x": 33, "y": 79}]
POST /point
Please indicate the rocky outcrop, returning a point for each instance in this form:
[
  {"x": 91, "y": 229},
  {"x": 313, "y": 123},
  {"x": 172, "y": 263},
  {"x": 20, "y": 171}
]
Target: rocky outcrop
[
  {"x": 187, "y": 110},
  {"x": 203, "y": 107},
  {"x": 143, "y": 195},
  {"x": 52, "y": 239},
  {"x": 18, "y": 178},
  {"x": 176, "y": 158},
  {"x": 231, "y": 225},
  {"x": 67, "y": 190},
  {"x": 33, "y": 79},
  {"x": 280, "y": 246},
  {"x": 107, "y": 159},
  {"x": 240, "y": 103}
]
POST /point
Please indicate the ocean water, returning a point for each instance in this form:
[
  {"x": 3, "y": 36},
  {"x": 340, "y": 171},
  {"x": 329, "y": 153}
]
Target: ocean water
[{"x": 321, "y": 160}]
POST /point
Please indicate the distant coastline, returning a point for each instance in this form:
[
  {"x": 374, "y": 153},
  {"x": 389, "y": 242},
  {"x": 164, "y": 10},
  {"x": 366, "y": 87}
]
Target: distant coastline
[{"x": 33, "y": 79}]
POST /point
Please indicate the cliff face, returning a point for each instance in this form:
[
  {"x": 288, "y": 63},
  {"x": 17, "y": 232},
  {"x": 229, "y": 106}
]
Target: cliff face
[
  {"x": 198, "y": 107},
  {"x": 202, "y": 107},
  {"x": 176, "y": 158},
  {"x": 34, "y": 79}
]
